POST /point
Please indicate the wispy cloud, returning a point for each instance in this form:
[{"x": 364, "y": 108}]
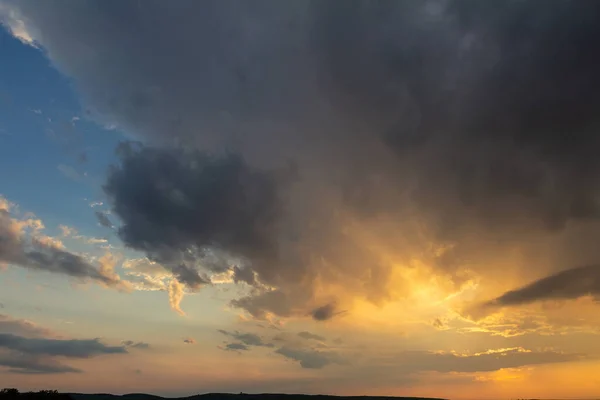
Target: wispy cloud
[
  {"x": 176, "y": 296},
  {"x": 70, "y": 172}
]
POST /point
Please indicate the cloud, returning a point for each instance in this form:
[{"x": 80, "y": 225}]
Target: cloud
[
  {"x": 103, "y": 219},
  {"x": 74, "y": 348},
  {"x": 135, "y": 345},
  {"x": 145, "y": 274},
  {"x": 70, "y": 172},
  {"x": 309, "y": 358},
  {"x": 236, "y": 346},
  {"x": 308, "y": 335},
  {"x": 144, "y": 266},
  {"x": 15, "y": 26},
  {"x": 439, "y": 324},
  {"x": 19, "y": 364},
  {"x": 405, "y": 365},
  {"x": 67, "y": 231},
  {"x": 264, "y": 304},
  {"x": 249, "y": 339},
  {"x": 27, "y": 348},
  {"x": 94, "y": 240},
  {"x": 406, "y": 129},
  {"x": 231, "y": 220},
  {"x": 568, "y": 284},
  {"x": 22, "y": 244},
  {"x": 175, "y": 296},
  {"x": 48, "y": 241},
  {"x": 325, "y": 312},
  {"x": 70, "y": 232},
  {"x": 22, "y": 327},
  {"x": 491, "y": 360},
  {"x": 189, "y": 341}
]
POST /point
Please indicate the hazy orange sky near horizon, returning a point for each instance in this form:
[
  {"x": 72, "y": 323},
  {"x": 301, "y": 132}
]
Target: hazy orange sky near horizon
[{"x": 319, "y": 196}]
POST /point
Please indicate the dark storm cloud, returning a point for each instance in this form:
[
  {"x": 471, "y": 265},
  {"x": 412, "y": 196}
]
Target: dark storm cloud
[
  {"x": 569, "y": 284},
  {"x": 177, "y": 200},
  {"x": 33, "y": 254},
  {"x": 400, "y": 125},
  {"x": 74, "y": 348}
]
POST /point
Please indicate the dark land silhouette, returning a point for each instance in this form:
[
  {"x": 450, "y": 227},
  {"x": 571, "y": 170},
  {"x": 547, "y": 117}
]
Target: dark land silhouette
[{"x": 14, "y": 394}]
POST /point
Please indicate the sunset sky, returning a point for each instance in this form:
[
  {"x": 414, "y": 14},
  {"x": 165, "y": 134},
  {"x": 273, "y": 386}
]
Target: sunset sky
[{"x": 313, "y": 196}]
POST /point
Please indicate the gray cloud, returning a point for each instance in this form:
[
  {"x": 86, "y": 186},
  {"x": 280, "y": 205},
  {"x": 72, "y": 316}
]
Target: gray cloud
[
  {"x": 135, "y": 345},
  {"x": 42, "y": 355},
  {"x": 59, "y": 261},
  {"x": 236, "y": 346},
  {"x": 249, "y": 339},
  {"x": 411, "y": 125},
  {"x": 36, "y": 255},
  {"x": 325, "y": 312},
  {"x": 258, "y": 305},
  {"x": 568, "y": 284},
  {"x": 308, "y": 335},
  {"x": 309, "y": 358},
  {"x": 75, "y": 348},
  {"x": 194, "y": 201},
  {"x": 103, "y": 219},
  {"x": 22, "y": 327},
  {"x": 19, "y": 364}
]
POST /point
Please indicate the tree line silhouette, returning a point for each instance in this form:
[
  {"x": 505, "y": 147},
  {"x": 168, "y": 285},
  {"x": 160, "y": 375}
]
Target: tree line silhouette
[{"x": 13, "y": 394}]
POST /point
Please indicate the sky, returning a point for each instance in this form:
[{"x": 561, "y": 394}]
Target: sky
[{"x": 352, "y": 198}]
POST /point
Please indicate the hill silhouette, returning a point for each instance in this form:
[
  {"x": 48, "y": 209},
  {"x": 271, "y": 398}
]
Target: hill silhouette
[{"x": 14, "y": 394}]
